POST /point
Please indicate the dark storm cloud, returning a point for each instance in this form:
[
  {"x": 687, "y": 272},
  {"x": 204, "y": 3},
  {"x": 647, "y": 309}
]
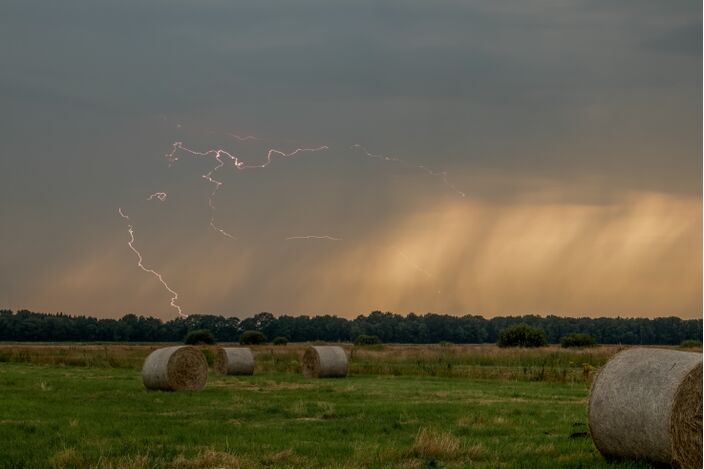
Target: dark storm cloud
[
  {"x": 319, "y": 50},
  {"x": 575, "y": 101},
  {"x": 685, "y": 40}
]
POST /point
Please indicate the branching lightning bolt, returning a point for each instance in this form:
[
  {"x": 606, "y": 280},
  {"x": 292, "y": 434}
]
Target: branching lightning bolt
[
  {"x": 211, "y": 203},
  {"x": 424, "y": 168},
  {"x": 243, "y": 139},
  {"x": 218, "y": 154},
  {"x": 330, "y": 238},
  {"x": 174, "y": 295},
  {"x": 172, "y": 157},
  {"x": 280, "y": 154},
  {"x": 158, "y": 195},
  {"x": 225, "y": 158}
]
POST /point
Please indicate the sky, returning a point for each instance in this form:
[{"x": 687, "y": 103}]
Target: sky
[{"x": 474, "y": 157}]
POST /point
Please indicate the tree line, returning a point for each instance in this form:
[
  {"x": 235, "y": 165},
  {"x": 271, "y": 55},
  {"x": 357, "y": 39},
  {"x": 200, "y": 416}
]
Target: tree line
[{"x": 390, "y": 328}]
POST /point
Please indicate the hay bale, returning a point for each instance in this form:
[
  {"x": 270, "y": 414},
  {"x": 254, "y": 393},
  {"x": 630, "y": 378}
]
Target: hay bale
[
  {"x": 647, "y": 404},
  {"x": 181, "y": 368},
  {"x": 324, "y": 361},
  {"x": 234, "y": 361}
]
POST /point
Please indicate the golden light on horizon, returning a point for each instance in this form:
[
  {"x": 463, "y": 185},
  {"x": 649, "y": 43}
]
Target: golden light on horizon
[{"x": 639, "y": 255}]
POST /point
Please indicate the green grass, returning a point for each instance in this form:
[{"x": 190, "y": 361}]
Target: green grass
[{"x": 71, "y": 416}]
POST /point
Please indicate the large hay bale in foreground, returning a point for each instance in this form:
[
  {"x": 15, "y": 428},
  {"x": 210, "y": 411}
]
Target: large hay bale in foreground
[
  {"x": 181, "y": 368},
  {"x": 647, "y": 404},
  {"x": 234, "y": 361},
  {"x": 325, "y": 361}
]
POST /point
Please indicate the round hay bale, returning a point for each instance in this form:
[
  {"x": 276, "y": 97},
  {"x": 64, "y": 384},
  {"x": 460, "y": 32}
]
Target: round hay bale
[
  {"x": 181, "y": 368},
  {"x": 325, "y": 361},
  {"x": 234, "y": 361},
  {"x": 647, "y": 404}
]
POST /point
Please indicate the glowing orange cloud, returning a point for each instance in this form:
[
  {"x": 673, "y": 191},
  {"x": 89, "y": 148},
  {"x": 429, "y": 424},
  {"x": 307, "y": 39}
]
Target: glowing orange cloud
[{"x": 637, "y": 255}]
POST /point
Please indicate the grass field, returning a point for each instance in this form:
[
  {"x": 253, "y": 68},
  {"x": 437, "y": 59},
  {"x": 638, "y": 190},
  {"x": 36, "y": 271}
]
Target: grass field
[{"x": 401, "y": 406}]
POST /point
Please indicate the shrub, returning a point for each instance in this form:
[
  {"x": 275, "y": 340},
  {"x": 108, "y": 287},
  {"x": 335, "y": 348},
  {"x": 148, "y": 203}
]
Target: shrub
[
  {"x": 252, "y": 338},
  {"x": 367, "y": 340},
  {"x": 280, "y": 340},
  {"x": 690, "y": 344},
  {"x": 199, "y": 336},
  {"x": 209, "y": 356},
  {"x": 578, "y": 340},
  {"x": 522, "y": 335}
]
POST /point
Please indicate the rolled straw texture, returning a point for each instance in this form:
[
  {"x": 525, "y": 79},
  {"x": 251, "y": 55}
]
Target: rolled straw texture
[
  {"x": 646, "y": 404},
  {"x": 325, "y": 361},
  {"x": 235, "y": 361},
  {"x": 181, "y": 368}
]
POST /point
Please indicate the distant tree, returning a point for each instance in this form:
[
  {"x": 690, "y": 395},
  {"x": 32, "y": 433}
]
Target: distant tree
[
  {"x": 280, "y": 340},
  {"x": 691, "y": 344},
  {"x": 259, "y": 322},
  {"x": 199, "y": 336},
  {"x": 522, "y": 335},
  {"x": 414, "y": 328},
  {"x": 252, "y": 338},
  {"x": 578, "y": 339},
  {"x": 367, "y": 340}
]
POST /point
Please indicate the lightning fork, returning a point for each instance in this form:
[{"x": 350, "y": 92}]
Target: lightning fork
[
  {"x": 423, "y": 168},
  {"x": 174, "y": 295}
]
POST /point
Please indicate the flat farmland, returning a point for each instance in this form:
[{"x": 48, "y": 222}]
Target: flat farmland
[{"x": 418, "y": 406}]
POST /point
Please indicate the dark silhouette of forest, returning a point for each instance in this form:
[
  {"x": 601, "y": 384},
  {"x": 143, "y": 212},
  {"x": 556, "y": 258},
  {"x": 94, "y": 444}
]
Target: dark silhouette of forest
[{"x": 390, "y": 328}]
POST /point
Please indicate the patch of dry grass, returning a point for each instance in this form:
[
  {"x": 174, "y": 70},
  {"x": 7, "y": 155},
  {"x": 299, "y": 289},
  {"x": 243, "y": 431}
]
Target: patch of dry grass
[
  {"x": 285, "y": 458},
  {"x": 484, "y": 361},
  {"x": 209, "y": 459},
  {"x": 129, "y": 462},
  {"x": 97, "y": 355},
  {"x": 67, "y": 458},
  {"x": 318, "y": 410},
  {"x": 435, "y": 444}
]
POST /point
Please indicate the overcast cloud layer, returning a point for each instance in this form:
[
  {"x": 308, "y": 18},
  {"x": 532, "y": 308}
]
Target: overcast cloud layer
[{"x": 572, "y": 127}]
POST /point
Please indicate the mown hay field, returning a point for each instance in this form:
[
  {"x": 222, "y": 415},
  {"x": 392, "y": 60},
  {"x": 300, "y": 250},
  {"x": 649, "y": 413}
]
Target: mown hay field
[{"x": 480, "y": 406}]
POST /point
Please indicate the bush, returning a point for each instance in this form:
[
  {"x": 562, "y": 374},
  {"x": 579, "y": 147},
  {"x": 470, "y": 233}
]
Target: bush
[
  {"x": 367, "y": 340},
  {"x": 252, "y": 338},
  {"x": 199, "y": 336},
  {"x": 280, "y": 340},
  {"x": 578, "y": 340},
  {"x": 209, "y": 356},
  {"x": 522, "y": 335},
  {"x": 690, "y": 344}
]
